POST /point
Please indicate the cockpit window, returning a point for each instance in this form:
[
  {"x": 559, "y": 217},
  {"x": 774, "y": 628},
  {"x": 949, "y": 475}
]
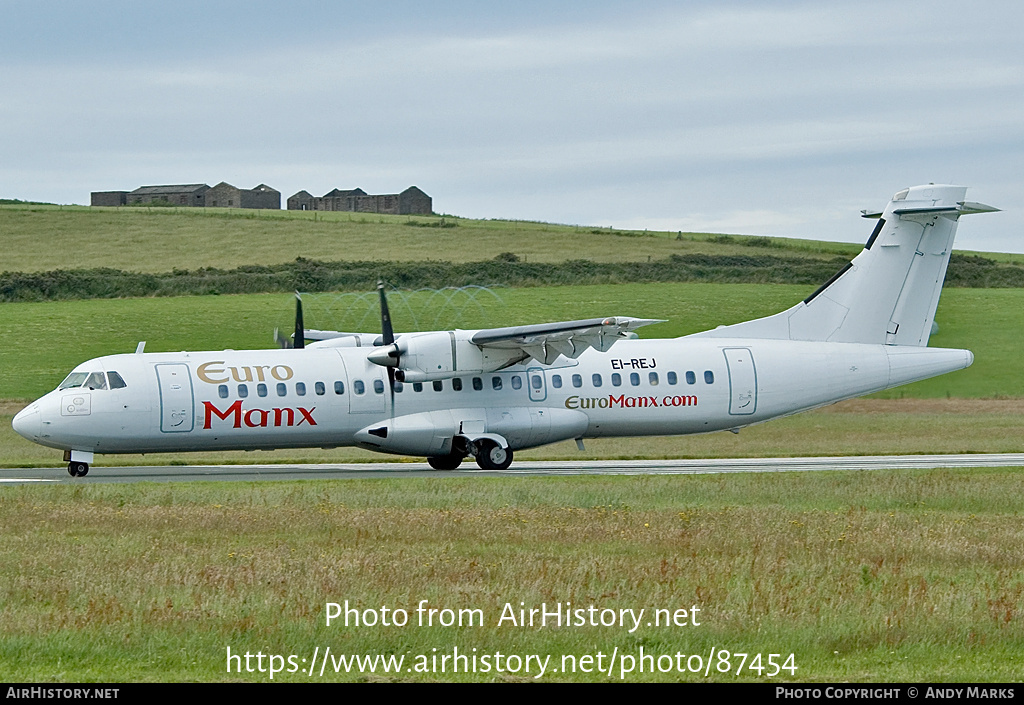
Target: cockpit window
[
  {"x": 75, "y": 379},
  {"x": 93, "y": 380},
  {"x": 96, "y": 381}
]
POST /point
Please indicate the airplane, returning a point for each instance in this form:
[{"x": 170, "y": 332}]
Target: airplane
[{"x": 486, "y": 394}]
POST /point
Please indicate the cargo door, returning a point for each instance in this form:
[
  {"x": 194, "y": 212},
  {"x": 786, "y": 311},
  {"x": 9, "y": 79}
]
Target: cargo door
[{"x": 176, "y": 398}]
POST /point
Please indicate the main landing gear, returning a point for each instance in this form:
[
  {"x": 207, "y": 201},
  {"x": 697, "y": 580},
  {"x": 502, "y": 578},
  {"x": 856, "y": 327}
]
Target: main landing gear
[
  {"x": 445, "y": 462},
  {"x": 78, "y": 469},
  {"x": 489, "y": 456}
]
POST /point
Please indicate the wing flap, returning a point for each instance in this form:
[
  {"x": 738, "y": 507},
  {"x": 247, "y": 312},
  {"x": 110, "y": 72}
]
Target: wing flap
[{"x": 544, "y": 342}]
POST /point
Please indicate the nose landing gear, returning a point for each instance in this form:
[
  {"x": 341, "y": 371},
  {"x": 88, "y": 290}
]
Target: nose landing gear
[{"x": 78, "y": 462}]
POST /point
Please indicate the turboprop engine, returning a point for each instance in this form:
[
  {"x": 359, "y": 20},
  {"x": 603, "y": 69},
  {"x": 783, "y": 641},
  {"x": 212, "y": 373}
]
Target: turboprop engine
[{"x": 424, "y": 357}]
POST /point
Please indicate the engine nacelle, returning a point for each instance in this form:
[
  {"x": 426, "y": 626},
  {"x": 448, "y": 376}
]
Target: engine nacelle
[
  {"x": 426, "y": 434},
  {"x": 424, "y": 357}
]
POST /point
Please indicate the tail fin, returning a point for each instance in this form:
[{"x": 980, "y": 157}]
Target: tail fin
[{"x": 889, "y": 292}]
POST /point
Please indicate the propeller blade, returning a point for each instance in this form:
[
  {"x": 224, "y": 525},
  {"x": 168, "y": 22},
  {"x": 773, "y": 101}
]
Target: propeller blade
[
  {"x": 388, "y": 337},
  {"x": 282, "y": 342},
  {"x": 299, "y": 340},
  {"x": 387, "y": 332}
]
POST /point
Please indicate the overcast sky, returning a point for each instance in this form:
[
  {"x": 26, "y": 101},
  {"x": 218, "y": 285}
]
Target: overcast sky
[{"x": 781, "y": 118}]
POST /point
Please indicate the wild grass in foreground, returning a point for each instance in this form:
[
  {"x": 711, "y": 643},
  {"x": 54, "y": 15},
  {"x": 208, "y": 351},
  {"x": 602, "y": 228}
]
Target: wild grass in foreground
[{"x": 880, "y": 576}]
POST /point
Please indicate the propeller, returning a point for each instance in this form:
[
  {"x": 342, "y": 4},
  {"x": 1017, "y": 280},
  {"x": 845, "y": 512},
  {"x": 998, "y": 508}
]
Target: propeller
[{"x": 299, "y": 338}]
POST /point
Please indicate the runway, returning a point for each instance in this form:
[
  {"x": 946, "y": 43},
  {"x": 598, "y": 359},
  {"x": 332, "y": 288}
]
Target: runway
[{"x": 349, "y": 471}]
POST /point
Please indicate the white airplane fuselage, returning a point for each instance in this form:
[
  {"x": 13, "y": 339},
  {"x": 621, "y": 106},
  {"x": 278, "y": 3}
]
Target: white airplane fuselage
[
  {"x": 491, "y": 392},
  {"x": 329, "y": 397}
]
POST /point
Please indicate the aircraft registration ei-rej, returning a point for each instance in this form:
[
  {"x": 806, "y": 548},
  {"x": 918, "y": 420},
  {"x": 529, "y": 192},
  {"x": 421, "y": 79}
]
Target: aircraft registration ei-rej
[{"x": 448, "y": 395}]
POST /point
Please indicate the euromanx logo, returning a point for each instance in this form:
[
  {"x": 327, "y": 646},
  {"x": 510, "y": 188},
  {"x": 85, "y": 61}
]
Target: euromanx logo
[{"x": 626, "y": 402}]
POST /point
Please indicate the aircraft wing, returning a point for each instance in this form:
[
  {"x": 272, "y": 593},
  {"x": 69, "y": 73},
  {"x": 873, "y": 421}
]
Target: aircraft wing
[{"x": 544, "y": 342}]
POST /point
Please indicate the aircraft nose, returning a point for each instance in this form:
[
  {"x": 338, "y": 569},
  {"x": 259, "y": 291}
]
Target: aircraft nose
[{"x": 28, "y": 423}]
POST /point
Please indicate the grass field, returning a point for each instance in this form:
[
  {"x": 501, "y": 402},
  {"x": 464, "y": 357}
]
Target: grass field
[
  {"x": 46, "y": 340},
  {"x": 160, "y": 239},
  {"x": 887, "y": 576},
  {"x": 44, "y": 238}
]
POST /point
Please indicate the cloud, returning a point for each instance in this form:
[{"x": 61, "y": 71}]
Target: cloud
[{"x": 768, "y": 117}]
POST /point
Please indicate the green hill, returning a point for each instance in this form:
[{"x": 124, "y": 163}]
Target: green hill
[
  {"x": 83, "y": 253},
  {"x": 39, "y": 238}
]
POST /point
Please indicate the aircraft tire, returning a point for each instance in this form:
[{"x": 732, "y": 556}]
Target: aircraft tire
[
  {"x": 78, "y": 469},
  {"x": 493, "y": 457},
  {"x": 445, "y": 462}
]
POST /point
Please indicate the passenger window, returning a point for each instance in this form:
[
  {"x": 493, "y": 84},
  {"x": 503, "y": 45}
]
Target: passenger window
[
  {"x": 672, "y": 379},
  {"x": 517, "y": 382},
  {"x": 653, "y": 379},
  {"x": 597, "y": 380},
  {"x": 457, "y": 384},
  {"x": 261, "y": 389},
  {"x": 496, "y": 382},
  {"x": 438, "y": 385},
  {"x": 320, "y": 388},
  {"x": 691, "y": 378},
  {"x": 378, "y": 386},
  {"x": 96, "y": 381},
  {"x": 577, "y": 381},
  {"x": 116, "y": 382},
  {"x": 359, "y": 387},
  {"x": 556, "y": 381},
  {"x": 398, "y": 386},
  {"x": 709, "y": 377},
  {"x": 300, "y": 388},
  {"x": 634, "y": 379},
  {"x": 339, "y": 387},
  {"x": 478, "y": 384},
  {"x": 222, "y": 391},
  {"x": 537, "y": 381},
  {"x": 616, "y": 379},
  {"x": 282, "y": 389},
  {"x": 243, "y": 391},
  {"x": 417, "y": 386}
]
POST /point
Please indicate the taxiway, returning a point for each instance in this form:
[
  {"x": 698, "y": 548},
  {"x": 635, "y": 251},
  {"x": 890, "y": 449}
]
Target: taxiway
[{"x": 348, "y": 471}]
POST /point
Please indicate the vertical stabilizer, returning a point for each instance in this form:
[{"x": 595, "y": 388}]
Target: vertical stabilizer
[{"x": 889, "y": 292}]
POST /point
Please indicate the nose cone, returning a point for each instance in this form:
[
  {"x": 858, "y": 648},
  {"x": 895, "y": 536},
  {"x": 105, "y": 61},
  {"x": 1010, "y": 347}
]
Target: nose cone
[{"x": 28, "y": 423}]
